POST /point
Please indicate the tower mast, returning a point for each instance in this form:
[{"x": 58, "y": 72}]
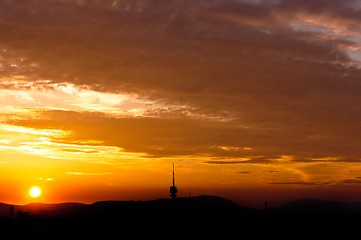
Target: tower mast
[
  {"x": 173, "y": 189},
  {"x": 173, "y": 176}
]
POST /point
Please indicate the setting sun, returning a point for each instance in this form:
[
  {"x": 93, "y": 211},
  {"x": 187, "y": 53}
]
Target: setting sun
[{"x": 35, "y": 192}]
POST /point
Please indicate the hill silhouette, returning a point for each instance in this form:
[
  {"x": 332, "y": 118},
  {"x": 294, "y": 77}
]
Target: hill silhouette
[
  {"x": 315, "y": 207},
  {"x": 199, "y": 217}
]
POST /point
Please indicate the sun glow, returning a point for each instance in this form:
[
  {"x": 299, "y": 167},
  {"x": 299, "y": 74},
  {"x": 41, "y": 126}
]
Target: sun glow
[{"x": 35, "y": 192}]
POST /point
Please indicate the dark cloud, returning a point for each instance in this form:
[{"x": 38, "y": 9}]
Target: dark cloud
[
  {"x": 277, "y": 74},
  {"x": 299, "y": 183},
  {"x": 328, "y": 160},
  {"x": 349, "y": 181},
  {"x": 225, "y": 162},
  {"x": 338, "y": 183},
  {"x": 244, "y": 172},
  {"x": 251, "y": 161},
  {"x": 349, "y": 160}
]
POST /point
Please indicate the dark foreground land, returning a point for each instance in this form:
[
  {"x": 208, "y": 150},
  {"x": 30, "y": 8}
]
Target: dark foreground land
[{"x": 203, "y": 217}]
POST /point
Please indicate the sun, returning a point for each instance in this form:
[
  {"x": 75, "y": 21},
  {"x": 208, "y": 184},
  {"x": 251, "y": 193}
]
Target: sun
[{"x": 34, "y": 192}]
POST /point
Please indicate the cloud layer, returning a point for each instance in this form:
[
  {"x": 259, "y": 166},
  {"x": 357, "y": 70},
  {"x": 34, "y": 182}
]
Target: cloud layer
[{"x": 234, "y": 81}]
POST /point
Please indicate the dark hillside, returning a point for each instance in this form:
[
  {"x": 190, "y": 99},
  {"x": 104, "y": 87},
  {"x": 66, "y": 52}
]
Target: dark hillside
[{"x": 201, "y": 217}]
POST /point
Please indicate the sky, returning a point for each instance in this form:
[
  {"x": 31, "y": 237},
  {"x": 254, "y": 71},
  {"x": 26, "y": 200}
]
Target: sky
[{"x": 252, "y": 100}]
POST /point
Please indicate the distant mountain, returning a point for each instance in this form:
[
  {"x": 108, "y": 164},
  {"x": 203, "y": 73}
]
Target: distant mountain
[
  {"x": 200, "y": 204},
  {"x": 181, "y": 205},
  {"x": 4, "y": 210},
  {"x": 318, "y": 207},
  {"x": 55, "y": 209},
  {"x": 199, "y": 217},
  {"x": 204, "y": 202}
]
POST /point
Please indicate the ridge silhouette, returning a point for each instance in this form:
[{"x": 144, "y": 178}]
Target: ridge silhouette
[{"x": 202, "y": 217}]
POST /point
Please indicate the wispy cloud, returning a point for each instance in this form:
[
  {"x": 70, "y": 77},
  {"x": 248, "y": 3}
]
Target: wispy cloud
[
  {"x": 52, "y": 143},
  {"x": 88, "y": 173},
  {"x": 48, "y": 179},
  {"x": 328, "y": 160},
  {"x": 251, "y": 161},
  {"x": 299, "y": 183},
  {"x": 46, "y": 94}
]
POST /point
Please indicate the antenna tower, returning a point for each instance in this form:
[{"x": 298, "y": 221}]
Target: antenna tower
[{"x": 173, "y": 189}]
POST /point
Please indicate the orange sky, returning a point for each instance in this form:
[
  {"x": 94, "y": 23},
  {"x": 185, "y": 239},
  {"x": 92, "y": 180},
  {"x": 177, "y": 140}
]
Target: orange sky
[{"x": 252, "y": 100}]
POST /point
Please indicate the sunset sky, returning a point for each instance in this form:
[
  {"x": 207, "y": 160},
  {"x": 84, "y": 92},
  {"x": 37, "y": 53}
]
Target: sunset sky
[{"x": 252, "y": 100}]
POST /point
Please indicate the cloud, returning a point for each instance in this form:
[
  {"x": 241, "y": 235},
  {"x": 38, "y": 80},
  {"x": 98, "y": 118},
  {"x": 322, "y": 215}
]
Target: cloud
[
  {"x": 351, "y": 182},
  {"x": 274, "y": 76},
  {"x": 328, "y": 160},
  {"x": 225, "y": 162},
  {"x": 46, "y": 95},
  {"x": 88, "y": 173},
  {"x": 243, "y": 161},
  {"x": 154, "y": 136},
  {"x": 57, "y": 144},
  {"x": 48, "y": 179},
  {"x": 299, "y": 183}
]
